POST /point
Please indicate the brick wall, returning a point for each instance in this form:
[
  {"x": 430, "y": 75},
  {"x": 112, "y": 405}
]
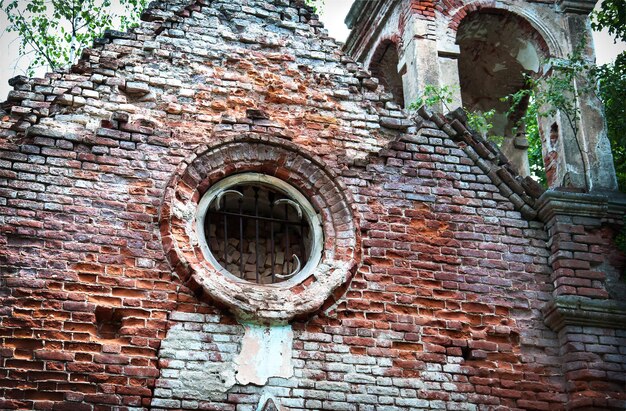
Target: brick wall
[
  {"x": 589, "y": 307},
  {"x": 444, "y": 310}
]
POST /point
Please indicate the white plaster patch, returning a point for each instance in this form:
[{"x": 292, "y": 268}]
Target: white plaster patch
[
  {"x": 265, "y": 353},
  {"x": 184, "y": 212}
]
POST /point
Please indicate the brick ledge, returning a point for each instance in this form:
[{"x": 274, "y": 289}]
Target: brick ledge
[
  {"x": 591, "y": 205},
  {"x": 572, "y": 310}
]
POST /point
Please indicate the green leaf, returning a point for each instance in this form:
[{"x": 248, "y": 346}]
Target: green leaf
[{"x": 49, "y": 27}]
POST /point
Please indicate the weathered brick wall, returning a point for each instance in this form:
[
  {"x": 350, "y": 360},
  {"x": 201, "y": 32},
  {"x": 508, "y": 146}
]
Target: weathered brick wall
[
  {"x": 586, "y": 264},
  {"x": 443, "y": 311}
]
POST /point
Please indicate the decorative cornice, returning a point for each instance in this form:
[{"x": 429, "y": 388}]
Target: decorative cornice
[
  {"x": 576, "y": 6},
  {"x": 553, "y": 203},
  {"x": 594, "y": 205},
  {"x": 572, "y": 310},
  {"x": 354, "y": 13}
]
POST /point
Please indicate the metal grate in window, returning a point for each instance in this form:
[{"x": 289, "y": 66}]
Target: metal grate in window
[{"x": 257, "y": 233}]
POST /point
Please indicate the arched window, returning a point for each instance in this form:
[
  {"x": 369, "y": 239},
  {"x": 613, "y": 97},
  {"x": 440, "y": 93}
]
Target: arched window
[
  {"x": 498, "y": 50},
  {"x": 384, "y": 66}
]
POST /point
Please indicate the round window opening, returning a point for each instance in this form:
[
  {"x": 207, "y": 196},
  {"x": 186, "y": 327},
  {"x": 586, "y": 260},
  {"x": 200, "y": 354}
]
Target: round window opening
[{"x": 257, "y": 228}]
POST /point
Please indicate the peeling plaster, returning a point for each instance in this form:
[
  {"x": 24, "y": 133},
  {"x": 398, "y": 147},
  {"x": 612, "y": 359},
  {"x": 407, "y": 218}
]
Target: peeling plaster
[
  {"x": 265, "y": 353},
  {"x": 184, "y": 212},
  {"x": 499, "y": 67}
]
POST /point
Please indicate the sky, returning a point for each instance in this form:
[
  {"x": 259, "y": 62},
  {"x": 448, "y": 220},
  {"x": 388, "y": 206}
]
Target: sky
[{"x": 333, "y": 15}]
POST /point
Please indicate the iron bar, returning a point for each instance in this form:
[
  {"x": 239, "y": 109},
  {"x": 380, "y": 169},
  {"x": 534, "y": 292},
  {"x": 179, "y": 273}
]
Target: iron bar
[
  {"x": 261, "y": 218},
  {"x": 287, "y": 256},
  {"x": 271, "y": 198},
  {"x": 241, "y": 265},
  {"x": 256, "y": 248},
  {"x": 269, "y": 222}
]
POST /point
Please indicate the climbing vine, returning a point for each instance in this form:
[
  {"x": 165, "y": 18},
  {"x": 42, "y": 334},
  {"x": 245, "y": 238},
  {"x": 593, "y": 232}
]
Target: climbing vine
[
  {"x": 557, "y": 90},
  {"x": 480, "y": 122},
  {"x": 433, "y": 96}
]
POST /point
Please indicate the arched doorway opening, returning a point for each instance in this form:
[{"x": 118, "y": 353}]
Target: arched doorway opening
[
  {"x": 498, "y": 50},
  {"x": 384, "y": 66}
]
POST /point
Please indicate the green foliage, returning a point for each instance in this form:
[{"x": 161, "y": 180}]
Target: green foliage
[
  {"x": 556, "y": 91},
  {"x": 611, "y": 80},
  {"x": 611, "y": 16},
  {"x": 612, "y": 91},
  {"x": 55, "y": 30},
  {"x": 530, "y": 123},
  {"x": 318, "y": 5},
  {"x": 433, "y": 96},
  {"x": 479, "y": 121},
  {"x": 535, "y": 153}
]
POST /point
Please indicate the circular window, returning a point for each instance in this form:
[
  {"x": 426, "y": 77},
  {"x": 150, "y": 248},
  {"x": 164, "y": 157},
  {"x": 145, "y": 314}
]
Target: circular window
[
  {"x": 259, "y": 229},
  {"x": 259, "y": 225}
]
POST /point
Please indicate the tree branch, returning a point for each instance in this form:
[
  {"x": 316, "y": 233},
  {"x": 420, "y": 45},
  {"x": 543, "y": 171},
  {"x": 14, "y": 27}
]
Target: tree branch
[{"x": 31, "y": 41}]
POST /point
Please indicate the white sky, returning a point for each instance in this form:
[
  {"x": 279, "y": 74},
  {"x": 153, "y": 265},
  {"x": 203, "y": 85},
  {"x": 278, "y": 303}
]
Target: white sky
[{"x": 333, "y": 15}]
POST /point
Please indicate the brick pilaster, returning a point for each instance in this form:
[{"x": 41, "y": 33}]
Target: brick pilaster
[{"x": 591, "y": 325}]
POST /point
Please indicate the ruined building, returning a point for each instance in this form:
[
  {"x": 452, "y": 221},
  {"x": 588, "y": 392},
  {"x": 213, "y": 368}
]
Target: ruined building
[{"x": 222, "y": 210}]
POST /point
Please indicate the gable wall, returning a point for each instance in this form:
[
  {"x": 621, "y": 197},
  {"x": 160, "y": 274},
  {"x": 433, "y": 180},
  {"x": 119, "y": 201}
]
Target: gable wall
[{"x": 443, "y": 310}]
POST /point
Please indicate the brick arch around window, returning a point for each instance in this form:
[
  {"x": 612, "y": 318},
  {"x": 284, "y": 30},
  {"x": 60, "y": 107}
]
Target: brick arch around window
[
  {"x": 253, "y": 153},
  {"x": 541, "y": 34}
]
